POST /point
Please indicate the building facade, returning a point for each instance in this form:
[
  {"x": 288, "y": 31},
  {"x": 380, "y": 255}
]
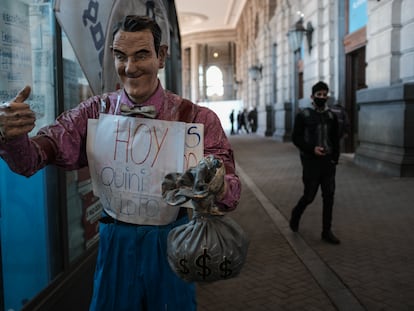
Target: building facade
[{"x": 362, "y": 48}]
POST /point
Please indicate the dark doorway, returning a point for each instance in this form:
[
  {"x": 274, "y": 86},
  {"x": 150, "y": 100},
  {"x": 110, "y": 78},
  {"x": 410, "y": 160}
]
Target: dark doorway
[{"x": 355, "y": 80}]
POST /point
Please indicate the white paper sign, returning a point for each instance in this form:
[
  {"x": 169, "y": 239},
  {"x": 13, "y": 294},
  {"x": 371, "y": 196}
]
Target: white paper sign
[
  {"x": 194, "y": 144},
  {"x": 128, "y": 159},
  {"x": 194, "y": 148}
]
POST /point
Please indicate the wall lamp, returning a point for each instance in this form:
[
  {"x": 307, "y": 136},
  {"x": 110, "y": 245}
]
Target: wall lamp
[
  {"x": 255, "y": 72},
  {"x": 237, "y": 84},
  {"x": 150, "y": 9},
  {"x": 296, "y": 33}
]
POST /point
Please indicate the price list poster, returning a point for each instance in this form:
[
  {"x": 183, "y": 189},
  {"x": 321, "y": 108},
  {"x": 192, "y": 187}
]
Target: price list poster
[
  {"x": 26, "y": 56},
  {"x": 15, "y": 49}
]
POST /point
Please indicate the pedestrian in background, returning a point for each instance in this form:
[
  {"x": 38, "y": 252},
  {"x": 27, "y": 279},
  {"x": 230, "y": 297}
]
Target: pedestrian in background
[
  {"x": 252, "y": 119},
  {"x": 231, "y": 117},
  {"x": 315, "y": 134},
  {"x": 242, "y": 121}
]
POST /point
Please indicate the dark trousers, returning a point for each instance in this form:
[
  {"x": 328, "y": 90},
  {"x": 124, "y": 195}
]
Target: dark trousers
[{"x": 319, "y": 171}]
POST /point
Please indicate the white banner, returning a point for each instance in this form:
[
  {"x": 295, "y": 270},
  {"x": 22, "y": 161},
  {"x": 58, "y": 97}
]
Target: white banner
[
  {"x": 88, "y": 25},
  {"x": 128, "y": 159},
  {"x": 85, "y": 24}
]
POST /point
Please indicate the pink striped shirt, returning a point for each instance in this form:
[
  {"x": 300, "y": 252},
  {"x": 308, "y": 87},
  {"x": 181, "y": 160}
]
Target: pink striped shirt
[{"x": 64, "y": 143}]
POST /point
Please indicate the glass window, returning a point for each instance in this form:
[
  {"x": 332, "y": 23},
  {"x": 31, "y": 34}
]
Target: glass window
[
  {"x": 83, "y": 208},
  {"x": 28, "y": 255},
  {"x": 214, "y": 82},
  {"x": 357, "y": 14},
  {"x": 201, "y": 83}
]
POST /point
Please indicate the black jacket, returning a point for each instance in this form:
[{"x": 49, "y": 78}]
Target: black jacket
[{"x": 313, "y": 128}]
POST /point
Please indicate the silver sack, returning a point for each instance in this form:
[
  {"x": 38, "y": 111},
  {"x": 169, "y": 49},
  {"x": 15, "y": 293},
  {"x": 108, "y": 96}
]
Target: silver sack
[
  {"x": 211, "y": 246},
  {"x": 208, "y": 248}
]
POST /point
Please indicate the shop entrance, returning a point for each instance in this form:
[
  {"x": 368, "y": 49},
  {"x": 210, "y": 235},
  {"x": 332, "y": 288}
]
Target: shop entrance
[{"x": 355, "y": 80}]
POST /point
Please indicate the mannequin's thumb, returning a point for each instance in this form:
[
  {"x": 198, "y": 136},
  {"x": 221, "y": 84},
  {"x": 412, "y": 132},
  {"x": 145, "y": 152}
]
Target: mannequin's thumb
[{"x": 23, "y": 94}]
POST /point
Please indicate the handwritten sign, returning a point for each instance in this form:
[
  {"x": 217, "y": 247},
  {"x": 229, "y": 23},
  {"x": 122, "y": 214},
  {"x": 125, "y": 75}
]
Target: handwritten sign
[
  {"x": 194, "y": 144},
  {"x": 194, "y": 148},
  {"x": 128, "y": 159}
]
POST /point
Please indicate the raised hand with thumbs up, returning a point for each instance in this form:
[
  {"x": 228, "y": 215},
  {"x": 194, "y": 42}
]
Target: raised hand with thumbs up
[{"x": 16, "y": 117}]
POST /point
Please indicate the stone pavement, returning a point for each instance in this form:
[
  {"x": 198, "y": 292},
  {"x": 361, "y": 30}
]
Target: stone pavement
[{"x": 373, "y": 267}]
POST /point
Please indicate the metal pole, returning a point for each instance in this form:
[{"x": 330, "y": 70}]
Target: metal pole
[{"x": 295, "y": 91}]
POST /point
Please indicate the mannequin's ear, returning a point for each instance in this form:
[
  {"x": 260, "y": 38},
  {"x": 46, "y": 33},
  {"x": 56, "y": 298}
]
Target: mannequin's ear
[{"x": 162, "y": 56}]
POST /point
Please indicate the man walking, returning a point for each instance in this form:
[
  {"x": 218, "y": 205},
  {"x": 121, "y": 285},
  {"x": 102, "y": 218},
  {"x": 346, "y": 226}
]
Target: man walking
[{"x": 315, "y": 133}]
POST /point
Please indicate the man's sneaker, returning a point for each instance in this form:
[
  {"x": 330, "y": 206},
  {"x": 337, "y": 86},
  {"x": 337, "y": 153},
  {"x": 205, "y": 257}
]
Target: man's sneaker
[{"x": 329, "y": 237}]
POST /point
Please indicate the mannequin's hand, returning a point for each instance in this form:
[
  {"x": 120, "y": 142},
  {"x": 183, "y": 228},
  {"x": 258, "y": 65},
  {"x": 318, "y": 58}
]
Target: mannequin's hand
[{"x": 16, "y": 117}]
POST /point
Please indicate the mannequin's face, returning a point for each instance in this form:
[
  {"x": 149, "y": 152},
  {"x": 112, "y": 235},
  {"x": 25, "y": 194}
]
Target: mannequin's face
[{"x": 137, "y": 63}]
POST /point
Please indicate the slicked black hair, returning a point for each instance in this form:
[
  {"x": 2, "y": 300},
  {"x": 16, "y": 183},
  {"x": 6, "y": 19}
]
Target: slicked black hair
[
  {"x": 319, "y": 86},
  {"x": 133, "y": 23}
]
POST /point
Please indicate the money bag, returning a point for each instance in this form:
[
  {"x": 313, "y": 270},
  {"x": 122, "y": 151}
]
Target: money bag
[{"x": 211, "y": 246}]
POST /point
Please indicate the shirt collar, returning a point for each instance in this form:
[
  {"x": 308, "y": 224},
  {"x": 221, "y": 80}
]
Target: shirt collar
[
  {"x": 155, "y": 99},
  {"x": 319, "y": 110}
]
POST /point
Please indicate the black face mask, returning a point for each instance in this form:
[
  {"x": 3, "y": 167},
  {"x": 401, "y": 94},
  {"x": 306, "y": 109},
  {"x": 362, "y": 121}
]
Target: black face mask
[{"x": 319, "y": 101}]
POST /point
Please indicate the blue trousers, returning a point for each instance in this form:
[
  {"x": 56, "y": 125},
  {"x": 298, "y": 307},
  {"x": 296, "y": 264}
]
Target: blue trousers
[{"x": 133, "y": 274}]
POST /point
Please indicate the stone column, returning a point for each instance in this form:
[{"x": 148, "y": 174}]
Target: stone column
[
  {"x": 386, "y": 129},
  {"x": 194, "y": 72},
  {"x": 386, "y": 114}
]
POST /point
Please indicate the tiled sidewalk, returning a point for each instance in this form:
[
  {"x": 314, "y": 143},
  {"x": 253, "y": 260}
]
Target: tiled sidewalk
[{"x": 373, "y": 268}]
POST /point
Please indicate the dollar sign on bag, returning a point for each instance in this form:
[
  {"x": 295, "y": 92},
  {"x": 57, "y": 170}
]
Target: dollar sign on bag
[
  {"x": 201, "y": 262},
  {"x": 184, "y": 269},
  {"x": 225, "y": 269}
]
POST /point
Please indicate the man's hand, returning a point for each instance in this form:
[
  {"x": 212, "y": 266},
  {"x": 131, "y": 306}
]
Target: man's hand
[
  {"x": 319, "y": 151},
  {"x": 16, "y": 117}
]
